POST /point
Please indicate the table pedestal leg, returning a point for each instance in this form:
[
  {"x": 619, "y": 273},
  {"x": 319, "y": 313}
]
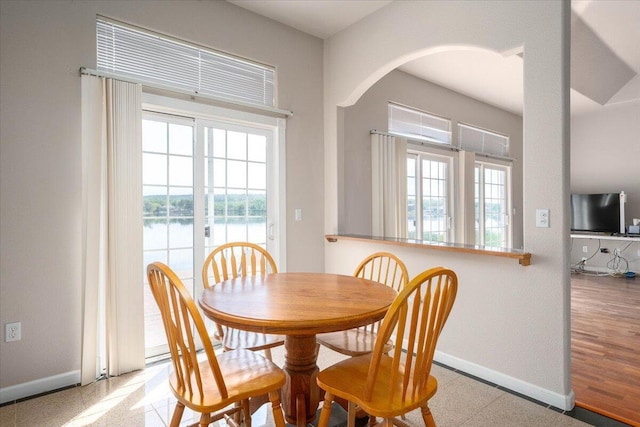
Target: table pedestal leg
[{"x": 300, "y": 394}]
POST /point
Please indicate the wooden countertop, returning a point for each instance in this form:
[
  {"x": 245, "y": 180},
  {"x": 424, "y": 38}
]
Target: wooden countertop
[{"x": 524, "y": 258}]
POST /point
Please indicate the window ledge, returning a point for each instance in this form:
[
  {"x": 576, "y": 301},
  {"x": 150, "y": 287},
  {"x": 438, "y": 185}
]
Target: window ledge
[{"x": 524, "y": 258}]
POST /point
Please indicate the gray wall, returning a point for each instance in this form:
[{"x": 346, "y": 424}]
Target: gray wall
[
  {"x": 605, "y": 155},
  {"x": 42, "y": 46},
  {"x": 370, "y": 112}
]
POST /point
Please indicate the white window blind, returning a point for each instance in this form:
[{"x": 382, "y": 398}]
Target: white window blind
[
  {"x": 153, "y": 58},
  {"x": 482, "y": 141},
  {"x": 416, "y": 124}
]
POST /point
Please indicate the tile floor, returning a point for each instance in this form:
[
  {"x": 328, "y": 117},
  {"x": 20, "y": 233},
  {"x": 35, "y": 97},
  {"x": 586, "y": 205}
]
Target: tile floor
[{"x": 143, "y": 399}]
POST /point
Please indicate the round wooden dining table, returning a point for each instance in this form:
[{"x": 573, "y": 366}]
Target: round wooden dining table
[{"x": 299, "y": 306}]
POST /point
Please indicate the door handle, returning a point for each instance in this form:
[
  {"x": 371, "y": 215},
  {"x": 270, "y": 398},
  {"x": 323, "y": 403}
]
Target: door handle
[{"x": 270, "y": 228}]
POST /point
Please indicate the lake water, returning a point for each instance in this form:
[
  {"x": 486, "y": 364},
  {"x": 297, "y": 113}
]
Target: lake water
[{"x": 172, "y": 243}]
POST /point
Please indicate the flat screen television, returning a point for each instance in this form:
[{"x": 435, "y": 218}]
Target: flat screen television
[{"x": 598, "y": 213}]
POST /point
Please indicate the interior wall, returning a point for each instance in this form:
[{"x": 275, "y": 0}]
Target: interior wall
[
  {"x": 42, "y": 46},
  {"x": 511, "y": 323},
  {"x": 370, "y": 112},
  {"x": 605, "y": 148},
  {"x": 600, "y": 254}
]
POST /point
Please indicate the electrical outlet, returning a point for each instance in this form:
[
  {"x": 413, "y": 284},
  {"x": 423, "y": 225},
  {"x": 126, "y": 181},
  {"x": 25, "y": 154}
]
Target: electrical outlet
[
  {"x": 584, "y": 259},
  {"x": 12, "y": 332},
  {"x": 585, "y": 249}
]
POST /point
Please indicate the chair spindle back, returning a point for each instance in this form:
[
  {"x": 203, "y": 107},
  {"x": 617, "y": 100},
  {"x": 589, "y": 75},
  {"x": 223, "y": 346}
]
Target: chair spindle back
[
  {"x": 417, "y": 317},
  {"x": 384, "y": 267},
  {"x": 181, "y": 317},
  {"x": 236, "y": 259}
]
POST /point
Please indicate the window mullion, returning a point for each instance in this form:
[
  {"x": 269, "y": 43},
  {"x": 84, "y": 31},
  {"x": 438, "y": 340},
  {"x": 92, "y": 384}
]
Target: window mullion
[
  {"x": 419, "y": 211},
  {"x": 198, "y": 199},
  {"x": 481, "y": 205}
]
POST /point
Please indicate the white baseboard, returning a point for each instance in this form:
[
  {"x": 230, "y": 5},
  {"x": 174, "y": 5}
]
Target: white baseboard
[
  {"x": 42, "y": 385},
  {"x": 564, "y": 402}
]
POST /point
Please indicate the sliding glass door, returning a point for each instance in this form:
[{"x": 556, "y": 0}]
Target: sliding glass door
[{"x": 205, "y": 182}]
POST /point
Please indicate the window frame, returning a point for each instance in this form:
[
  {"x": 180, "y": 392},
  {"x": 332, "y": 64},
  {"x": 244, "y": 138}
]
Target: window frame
[
  {"x": 421, "y": 152},
  {"x": 479, "y": 215}
]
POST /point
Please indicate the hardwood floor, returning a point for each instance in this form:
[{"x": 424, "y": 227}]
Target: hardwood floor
[{"x": 605, "y": 345}]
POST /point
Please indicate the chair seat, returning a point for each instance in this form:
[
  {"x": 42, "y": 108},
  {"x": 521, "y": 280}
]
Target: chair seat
[
  {"x": 245, "y": 373},
  {"x": 348, "y": 379},
  {"x": 255, "y": 341},
  {"x": 353, "y": 342}
]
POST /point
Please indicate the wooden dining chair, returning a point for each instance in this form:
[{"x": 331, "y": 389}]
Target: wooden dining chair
[
  {"x": 240, "y": 259},
  {"x": 383, "y": 267},
  {"x": 215, "y": 386},
  {"x": 388, "y": 386}
]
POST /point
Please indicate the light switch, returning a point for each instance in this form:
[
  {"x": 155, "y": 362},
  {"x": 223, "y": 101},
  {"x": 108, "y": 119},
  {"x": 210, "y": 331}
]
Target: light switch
[
  {"x": 542, "y": 218},
  {"x": 298, "y": 214}
]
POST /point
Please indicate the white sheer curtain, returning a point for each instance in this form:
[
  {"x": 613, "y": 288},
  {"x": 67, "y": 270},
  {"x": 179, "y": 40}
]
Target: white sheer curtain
[
  {"x": 389, "y": 185},
  {"x": 113, "y": 323}
]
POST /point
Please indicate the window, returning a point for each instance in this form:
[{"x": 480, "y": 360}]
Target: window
[
  {"x": 428, "y": 197},
  {"x": 210, "y": 176},
  {"x": 167, "y": 176},
  {"x": 428, "y": 180},
  {"x": 492, "y": 203},
  {"x": 150, "y": 57},
  {"x": 472, "y": 138},
  {"x": 492, "y": 193},
  {"x": 168, "y": 211},
  {"x": 412, "y": 123},
  {"x": 235, "y": 184},
  {"x": 431, "y": 179}
]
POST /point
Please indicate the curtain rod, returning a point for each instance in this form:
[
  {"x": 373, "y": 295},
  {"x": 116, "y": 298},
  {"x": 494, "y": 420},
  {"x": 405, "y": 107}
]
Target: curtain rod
[
  {"x": 417, "y": 141},
  {"x": 442, "y": 146},
  {"x": 245, "y": 105}
]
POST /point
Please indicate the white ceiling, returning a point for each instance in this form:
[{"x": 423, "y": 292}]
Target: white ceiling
[
  {"x": 320, "y": 18},
  {"x": 605, "y": 37}
]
